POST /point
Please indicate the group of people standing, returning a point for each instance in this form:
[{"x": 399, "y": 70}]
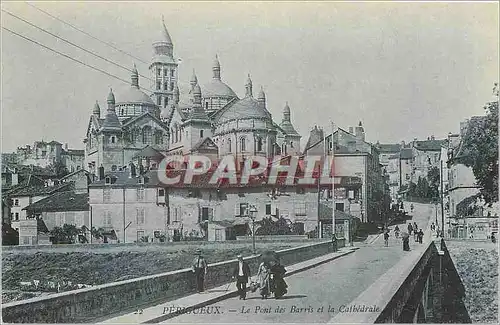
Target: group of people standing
[{"x": 270, "y": 276}]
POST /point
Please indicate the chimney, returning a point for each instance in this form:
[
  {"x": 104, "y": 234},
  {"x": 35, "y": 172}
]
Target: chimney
[
  {"x": 403, "y": 144},
  {"x": 432, "y": 137},
  {"x": 101, "y": 172},
  {"x": 351, "y": 130},
  {"x": 132, "y": 173},
  {"x": 66, "y": 147}
]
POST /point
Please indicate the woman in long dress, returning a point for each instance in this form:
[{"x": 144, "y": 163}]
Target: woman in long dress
[
  {"x": 279, "y": 284},
  {"x": 263, "y": 278}
]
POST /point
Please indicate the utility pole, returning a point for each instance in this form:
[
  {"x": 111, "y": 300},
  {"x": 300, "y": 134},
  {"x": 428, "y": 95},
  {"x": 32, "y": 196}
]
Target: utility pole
[
  {"x": 442, "y": 198},
  {"x": 333, "y": 181}
]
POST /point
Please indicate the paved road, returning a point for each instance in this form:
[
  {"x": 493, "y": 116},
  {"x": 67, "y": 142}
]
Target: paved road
[{"x": 312, "y": 293}]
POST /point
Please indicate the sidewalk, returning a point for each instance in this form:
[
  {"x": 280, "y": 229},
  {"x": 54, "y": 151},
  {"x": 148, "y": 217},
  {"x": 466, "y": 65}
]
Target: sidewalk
[{"x": 168, "y": 309}]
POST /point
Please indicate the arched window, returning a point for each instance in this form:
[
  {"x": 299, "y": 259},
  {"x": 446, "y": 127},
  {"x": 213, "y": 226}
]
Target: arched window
[
  {"x": 172, "y": 86},
  {"x": 165, "y": 86},
  {"x": 229, "y": 145},
  {"x": 259, "y": 144},
  {"x": 201, "y": 134},
  {"x": 113, "y": 139},
  {"x": 123, "y": 112},
  {"x": 158, "y": 85},
  {"x": 159, "y": 137},
  {"x": 146, "y": 135},
  {"x": 206, "y": 105},
  {"x": 291, "y": 144},
  {"x": 158, "y": 100},
  {"x": 243, "y": 144}
]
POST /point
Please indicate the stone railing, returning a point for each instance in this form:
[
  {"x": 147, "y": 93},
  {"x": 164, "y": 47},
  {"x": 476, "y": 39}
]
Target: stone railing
[
  {"x": 89, "y": 304},
  {"x": 414, "y": 290}
]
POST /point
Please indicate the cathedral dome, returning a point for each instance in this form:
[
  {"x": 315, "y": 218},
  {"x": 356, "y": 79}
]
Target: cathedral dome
[
  {"x": 134, "y": 96},
  {"x": 217, "y": 88},
  {"x": 247, "y": 107}
]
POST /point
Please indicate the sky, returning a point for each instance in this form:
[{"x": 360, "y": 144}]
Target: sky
[{"x": 406, "y": 70}]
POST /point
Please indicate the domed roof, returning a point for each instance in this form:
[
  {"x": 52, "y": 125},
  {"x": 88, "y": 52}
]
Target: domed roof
[
  {"x": 217, "y": 88},
  {"x": 135, "y": 96},
  {"x": 247, "y": 107}
]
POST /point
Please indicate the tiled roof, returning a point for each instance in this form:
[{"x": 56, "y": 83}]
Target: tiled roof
[
  {"x": 149, "y": 152},
  {"x": 77, "y": 152},
  {"x": 41, "y": 190},
  {"x": 388, "y": 148},
  {"x": 429, "y": 145},
  {"x": 61, "y": 201},
  {"x": 406, "y": 153},
  {"x": 200, "y": 143},
  {"x": 120, "y": 179}
]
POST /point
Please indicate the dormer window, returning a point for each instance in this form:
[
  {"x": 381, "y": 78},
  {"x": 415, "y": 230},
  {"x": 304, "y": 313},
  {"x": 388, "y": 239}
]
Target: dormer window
[
  {"x": 161, "y": 192},
  {"x": 108, "y": 180}
]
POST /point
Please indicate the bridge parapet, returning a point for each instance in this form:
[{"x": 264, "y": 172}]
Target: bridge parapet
[
  {"x": 111, "y": 299},
  {"x": 423, "y": 287}
]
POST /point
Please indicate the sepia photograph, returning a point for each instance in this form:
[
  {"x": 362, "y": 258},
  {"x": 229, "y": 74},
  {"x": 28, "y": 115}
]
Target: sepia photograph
[{"x": 202, "y": 162}]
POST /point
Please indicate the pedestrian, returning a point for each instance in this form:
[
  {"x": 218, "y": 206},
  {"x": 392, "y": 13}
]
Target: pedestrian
[
  {"x": 415, "y": 230},
  {"x": 410, "y": 228},
  {"x": 411, "y": 207},
  {"x": 493, "y": 238},
  {"x": 386, "y": 238},
  {"x": 406, "y": 241},
  {"x": 199, "y": 268},
  {"x": 420, "y": 235},
  {"x": 241, "y": 273},
  {"x": 279, "y": 284},
  {"x": 396, "y": 231},
  {"x": 263, "y": 275},
  {"x": 334, "y": 243}
]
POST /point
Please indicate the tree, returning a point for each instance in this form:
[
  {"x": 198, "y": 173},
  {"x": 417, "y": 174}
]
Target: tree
[
  {"x": 65, "y": 234},
  {"x": 434, "y": 181},
  {"x": 269, "y": 227},
  {"x": 59, "y": 169},
  {"x": 481, "y": 150}
]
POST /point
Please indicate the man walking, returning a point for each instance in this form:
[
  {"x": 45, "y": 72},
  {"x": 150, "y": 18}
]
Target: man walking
[
  {"x": 199, "y": 268},
  {"x": 241, "y": 273},
  {"x": 386, "y": 238},
  {"x": 334, "y": 243}
]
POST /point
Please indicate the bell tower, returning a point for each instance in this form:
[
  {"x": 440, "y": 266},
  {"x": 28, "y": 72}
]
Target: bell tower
[{"x": 164, "y": 69}]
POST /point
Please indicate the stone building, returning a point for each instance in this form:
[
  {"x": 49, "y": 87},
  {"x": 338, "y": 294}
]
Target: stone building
[
  {"x": 354, "y": 157},
  {"x": 138, "y": 207},
  {"x": 426, "y": 154}
]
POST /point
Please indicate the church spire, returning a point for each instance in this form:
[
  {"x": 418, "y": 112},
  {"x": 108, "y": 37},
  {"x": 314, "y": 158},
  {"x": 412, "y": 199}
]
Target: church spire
[
  {"x": 194, "y": 80},
  {"x": 248, "y": 87},
  {"x": 166, "y": 36},
  {"x": 97, "y": 110},
  {"x": 111, "y": 100},
  {"x": 135, "y": 77},
  {"x": 216, "y": 68},
  {"x": 261, "y": 98},
  {"x": 286, "y": 113}
]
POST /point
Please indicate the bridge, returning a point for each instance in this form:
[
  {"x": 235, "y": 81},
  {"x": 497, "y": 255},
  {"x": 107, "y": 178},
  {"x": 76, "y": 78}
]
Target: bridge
[{"x": 369, "y": 283}]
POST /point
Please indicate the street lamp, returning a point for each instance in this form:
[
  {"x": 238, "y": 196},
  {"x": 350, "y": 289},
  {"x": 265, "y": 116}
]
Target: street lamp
[{"x": 252, "y": 213}]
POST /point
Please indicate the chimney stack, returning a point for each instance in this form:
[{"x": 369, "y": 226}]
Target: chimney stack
[
  {"x": 351, "y": 130},
  {"x": 403, "y": 144},
  {"x": 101, "y": 172},
  {"x": 66, "y": 146}
]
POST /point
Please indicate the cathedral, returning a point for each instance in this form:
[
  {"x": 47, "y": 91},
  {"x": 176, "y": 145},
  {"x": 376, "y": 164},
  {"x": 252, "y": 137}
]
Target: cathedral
[{"x": 208, "y": 120}]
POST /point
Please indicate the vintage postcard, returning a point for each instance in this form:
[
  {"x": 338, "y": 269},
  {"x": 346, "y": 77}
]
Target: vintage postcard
[{"x": 249, "y": 162}]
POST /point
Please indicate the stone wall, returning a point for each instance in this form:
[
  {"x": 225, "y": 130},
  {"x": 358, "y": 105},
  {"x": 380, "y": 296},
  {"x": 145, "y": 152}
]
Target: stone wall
[{"x": 89, "y": 304}]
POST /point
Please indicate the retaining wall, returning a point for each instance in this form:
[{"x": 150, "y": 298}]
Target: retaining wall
[{"x": 88, "y": 304}]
